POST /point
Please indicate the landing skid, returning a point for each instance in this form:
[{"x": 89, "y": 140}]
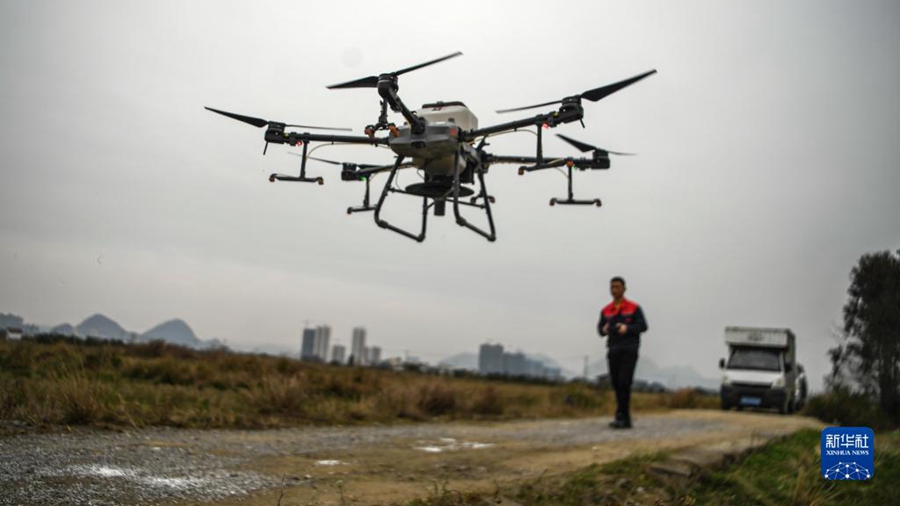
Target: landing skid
[
  {"x": 571, "y": 201},
  {"x": 438, "y": 200}
]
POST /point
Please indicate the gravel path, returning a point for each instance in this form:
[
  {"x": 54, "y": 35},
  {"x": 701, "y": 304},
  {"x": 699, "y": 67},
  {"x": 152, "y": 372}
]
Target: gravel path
[{"x": 161, "y": 465}]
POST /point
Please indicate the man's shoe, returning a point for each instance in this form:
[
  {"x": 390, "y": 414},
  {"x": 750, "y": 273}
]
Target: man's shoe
[{"x": 617, "y": 424}]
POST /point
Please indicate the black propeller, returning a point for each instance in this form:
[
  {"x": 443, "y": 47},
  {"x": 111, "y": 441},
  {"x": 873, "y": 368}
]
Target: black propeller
[
  {"x": 259, "y": 122},
  {"x": 584, "y": 147},
  {"x": 592, "y": 95},
  {"x": 372, "y": 81},
  {"x": 359, "y": 165}
]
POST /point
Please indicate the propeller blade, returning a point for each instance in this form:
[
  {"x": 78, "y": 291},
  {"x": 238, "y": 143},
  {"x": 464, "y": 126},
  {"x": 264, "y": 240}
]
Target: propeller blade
[
  {"x": 432, "y": 62},
  {"x": 585, "y": 147},
  {"x": 339, "y": 129},
  {"x": 257, "y": 122},
  {"x": 604, "y": 91},
  {"x": 372, "y": 81},
  {"x": 592, "y": 95},
  {"x": 528, "y": 107},
  {"x": 361, "y": 166},
  {"x": 332, "y": 162},
  {"x": 580, "y": 146},
  {"x": 365, "y": 82}
]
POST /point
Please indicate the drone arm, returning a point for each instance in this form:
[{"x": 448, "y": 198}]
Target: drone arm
[
  {"x": 306, "y": 137},
  {"x": 384, "y": 168},
  {"x": 532, "y": 163},
  {"x": 552, "y": 119},
  {"x": 387, "y": 88},
  {"x": 504, "y": 127}
]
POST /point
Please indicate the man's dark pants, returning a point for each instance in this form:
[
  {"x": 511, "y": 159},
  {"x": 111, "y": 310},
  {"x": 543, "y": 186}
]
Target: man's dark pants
[{"x": 621, "y": 373}]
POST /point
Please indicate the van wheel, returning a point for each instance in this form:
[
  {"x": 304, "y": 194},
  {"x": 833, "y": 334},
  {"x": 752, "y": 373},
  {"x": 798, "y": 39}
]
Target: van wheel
[{"x": 785, "y": 408}]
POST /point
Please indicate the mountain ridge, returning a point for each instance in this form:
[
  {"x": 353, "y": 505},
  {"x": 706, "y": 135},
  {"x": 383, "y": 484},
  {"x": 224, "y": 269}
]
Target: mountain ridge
[{"x": 175, "y": 331}]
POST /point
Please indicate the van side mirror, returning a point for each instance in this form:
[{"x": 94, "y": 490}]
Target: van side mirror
[
  {"x": 787, "y": 367},
  {"x": 800, "y": 368},
  {"x": 721, "y": 363}
]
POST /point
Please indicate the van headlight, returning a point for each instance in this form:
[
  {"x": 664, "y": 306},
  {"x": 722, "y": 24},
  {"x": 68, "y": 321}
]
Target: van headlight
[
  {"x": 778, "y": 383},
  {"x": 726, "y": 381}
]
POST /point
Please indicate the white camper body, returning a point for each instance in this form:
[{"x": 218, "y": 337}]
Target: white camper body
[{"x": 761, "y": 369}]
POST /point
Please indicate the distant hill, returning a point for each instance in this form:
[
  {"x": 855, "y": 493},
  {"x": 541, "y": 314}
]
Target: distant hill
[
  {"x": 178, "y": 332},
  {"x": 11, "y": 321},
  {"x": 99, "y": 325},
  {"x": 549, "y": 361},
  {"x": 467, "y": 360},
  {"x": 677, "y": 376},
  {"x": 463, "y": 360},
  {"x": 64, "y": 329},
  {"x": 278, "y": 350},
  {"x": 174, "y": 331}
]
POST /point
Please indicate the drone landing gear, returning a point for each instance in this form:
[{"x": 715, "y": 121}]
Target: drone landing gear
[
  {"x": 595, "y": 202},
  {"x": 384, "y": 224},
  {"x": 572, "y": 200},
  {"x": 281, "y": 177},
  {"x": 365, "y": 206},
  {"x": 487, "y": 199},
  {"x": 440, "y": 194},
  {"x": 298, "y": 179}
]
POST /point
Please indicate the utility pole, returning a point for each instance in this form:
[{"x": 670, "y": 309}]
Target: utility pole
[{"x": 585, "y": 368}]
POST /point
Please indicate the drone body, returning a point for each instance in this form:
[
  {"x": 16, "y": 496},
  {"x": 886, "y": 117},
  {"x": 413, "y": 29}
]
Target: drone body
[
  {"x": 434, "y": 150},
  {"x": 444, "y": 142}
]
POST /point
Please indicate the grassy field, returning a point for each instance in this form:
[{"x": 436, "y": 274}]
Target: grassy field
[
  {"x": 785, "y": 472},
  {"x": 110, "y": 384}
]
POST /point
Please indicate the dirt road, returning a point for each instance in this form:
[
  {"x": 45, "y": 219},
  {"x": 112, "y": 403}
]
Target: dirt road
[{"x": 364, "y": 465}]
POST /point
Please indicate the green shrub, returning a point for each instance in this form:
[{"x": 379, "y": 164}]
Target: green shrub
[{"x": 841, "y": 407}]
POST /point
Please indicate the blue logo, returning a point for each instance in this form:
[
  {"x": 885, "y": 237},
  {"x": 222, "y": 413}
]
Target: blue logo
[{"x": 848, "y": 453}]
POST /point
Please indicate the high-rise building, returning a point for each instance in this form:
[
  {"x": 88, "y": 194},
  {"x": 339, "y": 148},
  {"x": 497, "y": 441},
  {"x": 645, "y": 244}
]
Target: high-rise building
[
  {"x": 490, "y": 359},
  {"x": 323, "y": 336},
  {"x": 534, "y": 368},
  {"x": 358, "y": 348},
  {"x": 373, "y": 357},
  {"x": 337, "y": 353},
  {"x": 308, "y": 347},
  {"x": 514, "y": 364}
]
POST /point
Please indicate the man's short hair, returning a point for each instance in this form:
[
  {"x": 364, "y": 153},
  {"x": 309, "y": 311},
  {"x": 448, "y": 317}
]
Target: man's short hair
[{"x": 619, "y": 279}]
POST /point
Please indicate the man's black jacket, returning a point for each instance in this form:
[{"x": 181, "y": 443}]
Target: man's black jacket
[{"x": 628, "y": 313}]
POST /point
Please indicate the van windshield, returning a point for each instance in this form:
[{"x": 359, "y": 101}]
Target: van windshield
[{"x": 755, "y": 358}]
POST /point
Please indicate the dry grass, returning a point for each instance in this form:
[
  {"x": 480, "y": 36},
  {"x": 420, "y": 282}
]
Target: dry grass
[
  {"x": 689, "y": 398},
  {"x": 112, "y": 384}
]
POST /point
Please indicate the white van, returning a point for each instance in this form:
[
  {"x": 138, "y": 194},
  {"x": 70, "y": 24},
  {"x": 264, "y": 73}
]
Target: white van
[{"x": 761, "y": 369}]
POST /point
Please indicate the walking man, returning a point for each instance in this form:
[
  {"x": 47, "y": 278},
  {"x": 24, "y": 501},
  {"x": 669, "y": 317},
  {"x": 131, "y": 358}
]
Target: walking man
[{"x": 623, "y": 321}]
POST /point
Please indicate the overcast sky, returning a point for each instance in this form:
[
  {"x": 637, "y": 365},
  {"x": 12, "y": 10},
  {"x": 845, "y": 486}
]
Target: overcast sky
[{"x": 768, "y": 163}]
